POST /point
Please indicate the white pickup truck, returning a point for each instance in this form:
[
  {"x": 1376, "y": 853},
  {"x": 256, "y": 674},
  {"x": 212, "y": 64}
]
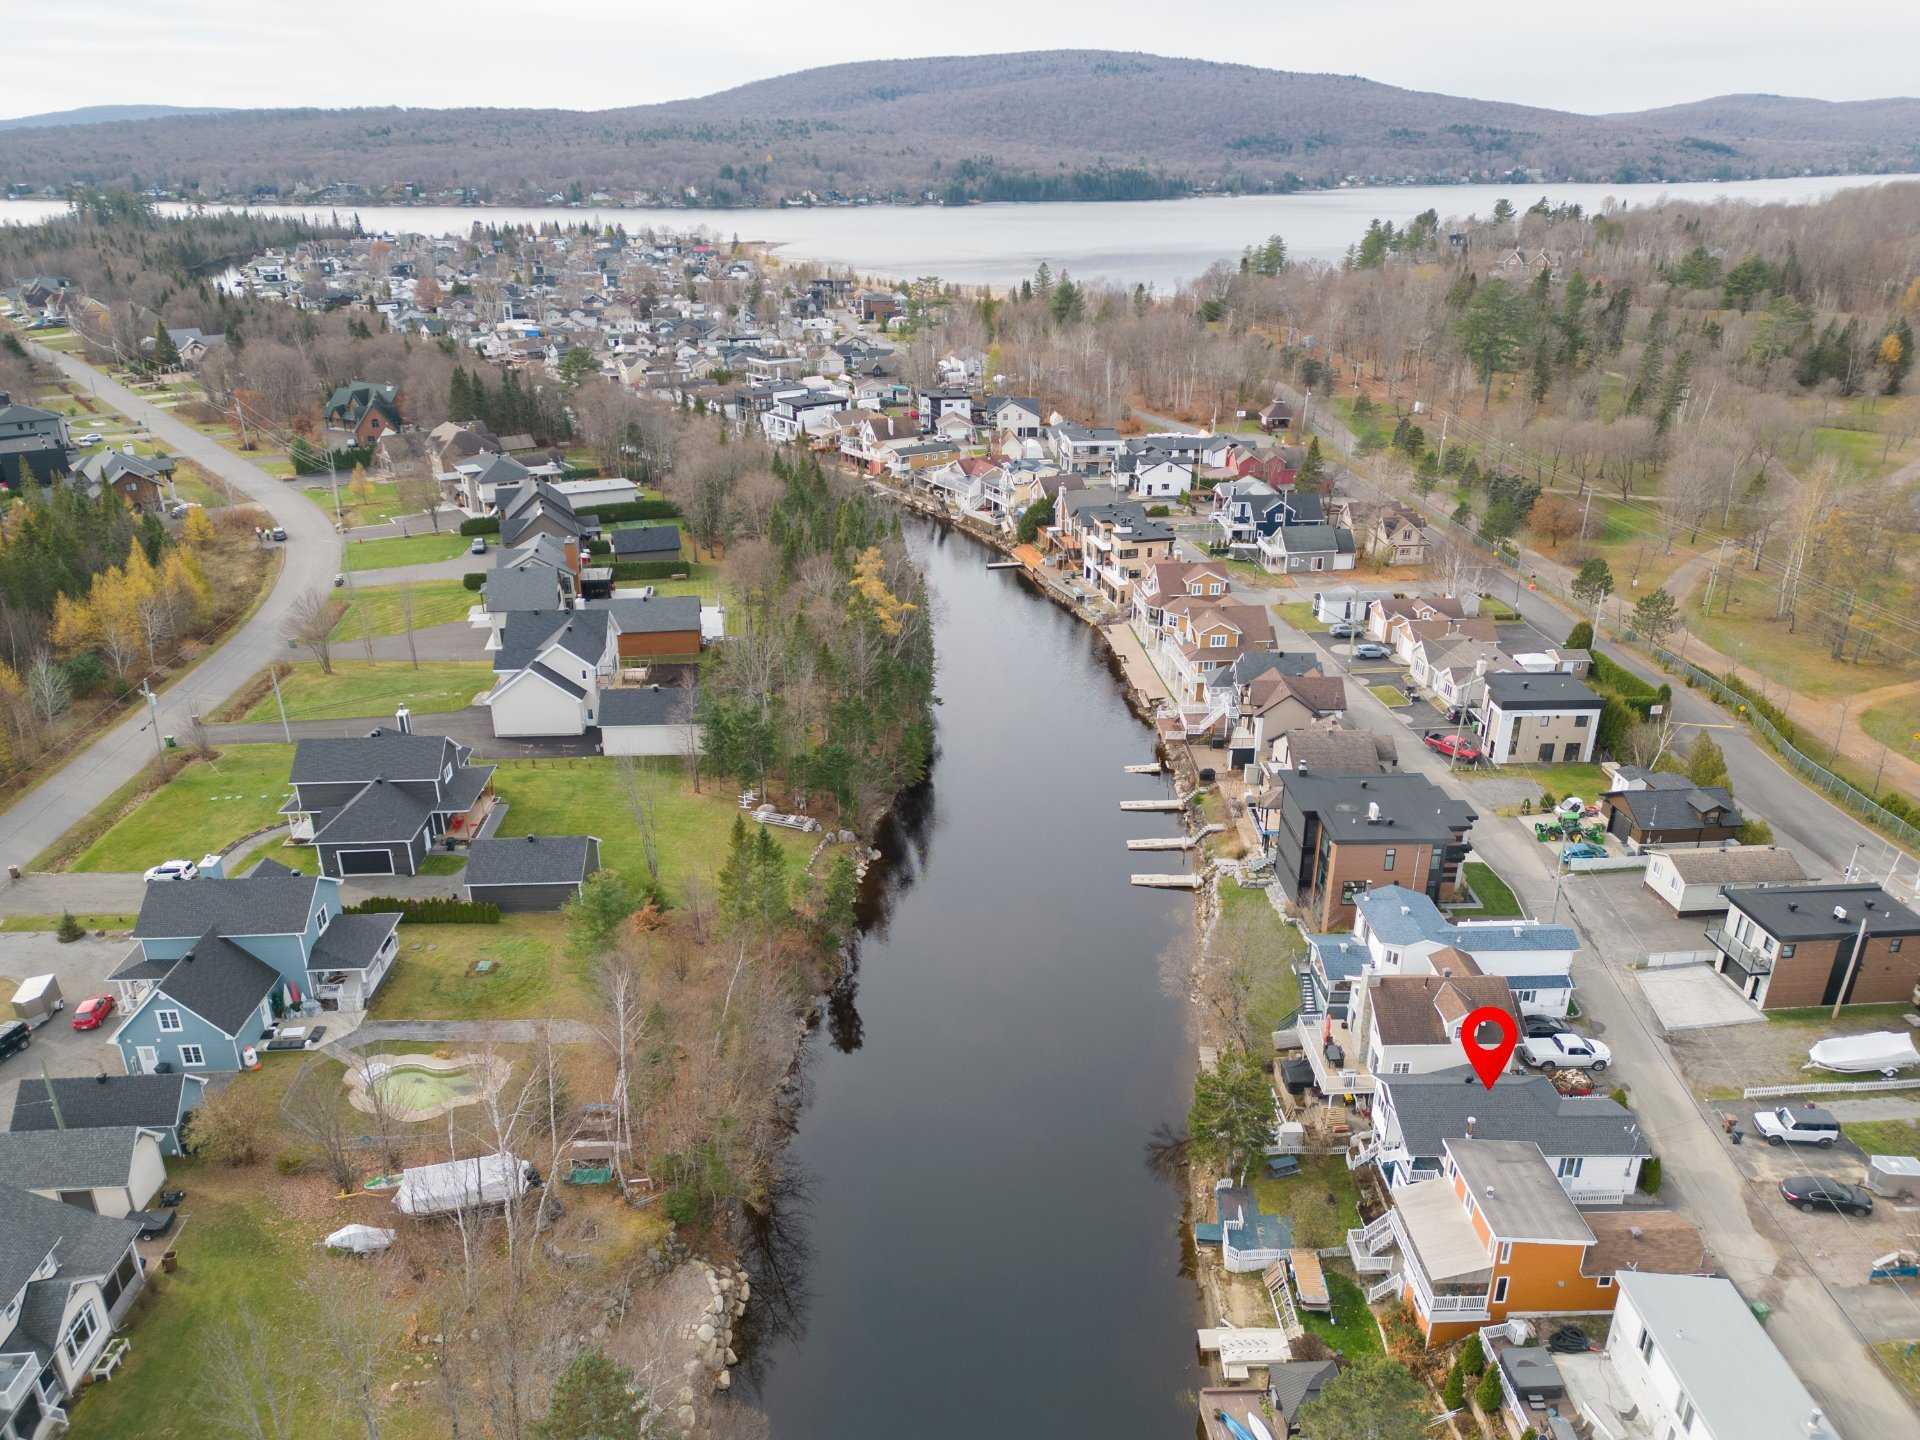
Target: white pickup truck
[{"x": 1565, "y": 1051}]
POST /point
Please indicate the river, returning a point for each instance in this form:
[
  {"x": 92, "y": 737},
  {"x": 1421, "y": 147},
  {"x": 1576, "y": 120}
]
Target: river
[
  {"x": 1157, "y": 242},
  {"x": 971, "y": 1243}
]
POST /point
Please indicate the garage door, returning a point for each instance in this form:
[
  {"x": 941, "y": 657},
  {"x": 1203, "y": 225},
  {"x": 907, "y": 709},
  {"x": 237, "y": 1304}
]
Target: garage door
[{"x": 365, "y": 862}]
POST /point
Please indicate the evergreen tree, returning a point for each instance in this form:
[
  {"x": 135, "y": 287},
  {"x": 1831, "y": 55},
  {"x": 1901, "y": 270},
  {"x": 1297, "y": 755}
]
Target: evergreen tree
[
  {"x": 165, "y": 355},
  {"x": 596, "y": 1398}
]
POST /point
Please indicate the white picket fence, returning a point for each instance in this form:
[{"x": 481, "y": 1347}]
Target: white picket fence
[{"x": 1831, "y": 1087}]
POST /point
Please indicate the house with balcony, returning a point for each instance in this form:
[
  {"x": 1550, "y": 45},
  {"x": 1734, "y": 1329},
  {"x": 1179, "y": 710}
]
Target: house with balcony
[
  {"x": 1281, "y": 700},
  {"x": 1790, "y": 946},
  {"x": 1083, "y": 449},
  {"x": 1117, "y": 543},
  {"x": 1494, "y": 1236},
  {"x": 1199, "y": 637},
  {"x": 215, "y": 963},
  {"x": 425, "y": 789},
  {"x": 1240, "y": 507},
  {"x": 1685, "y": 1359},
  {"x": 1594, "y": 1146},
  {"x": 1526, "y": 718},
  {"x": 1397, "y": 1025},
  {"x": 67, "y": 1279},
  {"x": 1385, "y": 613},
  {"x": 1153, "y": 474},
  {"x": 1404, "y": 931},
  {"x": 1165, "y": 581},
  {"x": 1335, "y": 837},
  {"x": 1305, "y": 549}
]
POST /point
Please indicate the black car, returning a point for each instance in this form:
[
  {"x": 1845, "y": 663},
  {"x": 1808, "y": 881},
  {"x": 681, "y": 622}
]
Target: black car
[
  {"x": 1542, "y": 1027},
  {"x": 15, "y": 1036},
  {"x": 278, "y": 533},
  {"x": 1817, "y": 1192}
]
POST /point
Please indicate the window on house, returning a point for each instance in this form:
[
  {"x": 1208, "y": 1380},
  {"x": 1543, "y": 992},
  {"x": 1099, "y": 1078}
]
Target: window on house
[
  {"x": 1570, "y": 1166},
  {"x": 168, "y": 1020},
  {"x": 1387, "y": 863},
  {"x": 1506, "y": 1251},
  {"x": 1893, "y": 945},
  {"x": 192, "y": 1055},
  {"x": 1603, "y": 1282},
  {"x": 1646, "y": 1345},
  {"x": 1500, "y": 1291},
  {"x": 1582, "y": 721},
  {"x": 85, "y": 1326},
  {"x": 321, "y": 919},
  {"x": 1786, "y": 952},
  {"x": 1685, "y": 1414},
  {"x": 1218, "y": 642}
]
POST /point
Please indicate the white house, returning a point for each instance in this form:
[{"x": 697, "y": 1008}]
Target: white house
[
  {"x": 1410, "y": 1024},
  {"x": 1689, "y": 880},
  {"x": 1687, "y": 1360},
  {"x": 1154, "y": 474},
  {"x": 1402, "y": 930},
  {"x": 1343, "y": 602},
  {"x": 549, "y": 670}
]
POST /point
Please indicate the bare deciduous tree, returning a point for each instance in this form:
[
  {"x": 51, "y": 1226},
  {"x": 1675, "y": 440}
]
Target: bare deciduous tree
[{"x": 310, "y": 623}]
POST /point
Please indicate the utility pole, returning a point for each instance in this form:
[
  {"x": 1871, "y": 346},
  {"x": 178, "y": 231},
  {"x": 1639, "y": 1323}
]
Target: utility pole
[
  {"x": 273, "y": 673},
  {"x": 1853, "y": 966},
  {"x": 59, "y": 1120},
  {"x": 153, "y": 718},
  {"x": 1841, "y": 725}
]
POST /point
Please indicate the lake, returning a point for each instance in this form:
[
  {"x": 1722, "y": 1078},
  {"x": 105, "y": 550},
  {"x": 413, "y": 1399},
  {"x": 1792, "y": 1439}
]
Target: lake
[
  {"x": 1157, "y": 242},
  {"x": 970, "y": 1243}
]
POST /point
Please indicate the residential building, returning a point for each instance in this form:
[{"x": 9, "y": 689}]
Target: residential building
[
  {"x": 1239, "y": 509},
  {"x": 1396, "y": 538},
  {"x": 1322, "y": 751},
  {"x": 376, "y": 804},
  {"x": 1402, "y": 931},
  {"x": 1594, "y": 1146},
  {"x": 67, "y": 1279},
  {"x": 363, "y": 409},
  {"x": 1692, "y": 882},
  {"x": 529, "y": 872},
  {"x": 110, "y": 1171},
  {"x": 1083, "y": 449},
  {"x": 1304, "y": 549},
  {"x": 1544, "y": 719},
  {"x": 654, "y": 629},
  {"x": 1117, "y": 543},
  {"x": 1153, "y": 474},
  {"x": 533, "y": 508},
  {"x": 1673, "y": 811},
  {"x": 1166, "y": 580},
  {"x": 1494, "y": 1235},
  {"x": 549, "y": 670},
  {"x": 1280, "y": 701},
  {"x": 646, "y": 543},
  {"x": 1789, "y": 946},
  {"x": 34, "y": 444},
  {"x": 1347, "y": 603},
  {"x": 215, "y": 961},
  {"x": 143, "y": 482},
  {"x": 158, "y": 1104},
  {"x": 1686, "y": 1360},
  {"x": 1276, "y": 417},
  {"x": 1335, "y": 837},
  {"x": 650, "y": 720}
]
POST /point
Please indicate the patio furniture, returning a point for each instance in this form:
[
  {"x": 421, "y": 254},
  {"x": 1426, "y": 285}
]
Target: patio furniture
[
  {"x": 110, "y": 1357},
  {"x": 1279, "y": 1167}
]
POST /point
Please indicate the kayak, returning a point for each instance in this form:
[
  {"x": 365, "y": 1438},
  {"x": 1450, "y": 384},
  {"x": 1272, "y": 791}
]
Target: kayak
[
  {"x": 1259, "y": 1428},
  {"x": 1238, "y": 1431}
]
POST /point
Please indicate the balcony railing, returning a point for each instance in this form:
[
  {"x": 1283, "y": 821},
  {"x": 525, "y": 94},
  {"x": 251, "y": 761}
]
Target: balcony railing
[{"x": 1750, "y": 960}]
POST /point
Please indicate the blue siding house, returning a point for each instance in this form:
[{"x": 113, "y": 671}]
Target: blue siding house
[{"x": 218, "y": 963}]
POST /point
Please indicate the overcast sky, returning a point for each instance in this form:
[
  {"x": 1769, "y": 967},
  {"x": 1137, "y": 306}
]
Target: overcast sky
[{"x": 596, "y": 54}]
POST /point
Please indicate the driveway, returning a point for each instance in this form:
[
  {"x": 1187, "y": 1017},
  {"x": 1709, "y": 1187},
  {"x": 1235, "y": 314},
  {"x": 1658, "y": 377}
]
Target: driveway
[
  {"x": 472, "y": 727},
  {"x": 39, "y": 893},
  {"x": 309, "y": 560},
  {"x": 82, "y": 969}
]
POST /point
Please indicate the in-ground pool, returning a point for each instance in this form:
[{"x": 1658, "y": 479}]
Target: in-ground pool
[
  {"x": 423, "y": 1087},
  {"x": 408, "y": 1087}
]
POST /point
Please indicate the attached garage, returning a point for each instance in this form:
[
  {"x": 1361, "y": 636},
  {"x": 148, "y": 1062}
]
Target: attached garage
[
  {"x": 383, "y": 830},
  {"x": 530, "y": 872},
  {"x": 648, "y": 720}
]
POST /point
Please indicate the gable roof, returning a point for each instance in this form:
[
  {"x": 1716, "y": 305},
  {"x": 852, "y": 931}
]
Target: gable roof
[
  {"x": 93, "y": 1102},
  {"x": 1743, "y": 862},
  {"x": 219, "y": 982},
  {"x": 527, "y": 634},
  {"x": 1418, "y": 1009},
  {"x": 646, "y": 705},
  {"x": 31, "y": 1226},
  {"x": 253, "y": 905},
  {"x": 531, "y": 860},
  {"x": 380, "y": 813},
  {"x": 1434, "y": 1108},
  {"x": 69, "y": 1159},
  {"x": 647, "y": 540},
  {"x": 522, "y": 587},
  {"x": 1335, "y": 752},
  {"x": 391, "y": 753}
]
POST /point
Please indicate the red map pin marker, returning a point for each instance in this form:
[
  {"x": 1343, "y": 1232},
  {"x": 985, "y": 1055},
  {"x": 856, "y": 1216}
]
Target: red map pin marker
[{"x": 1489, "y": 1061}]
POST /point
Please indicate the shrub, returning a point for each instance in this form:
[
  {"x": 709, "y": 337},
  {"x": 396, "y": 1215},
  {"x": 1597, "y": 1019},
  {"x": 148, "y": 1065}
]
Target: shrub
[
  {"x": 85, "y": 674},
  {"x": 481, "y": 525},
  {"x": 1487, "y": 1393},
  {"x": 1547, "y": 802},
  {"x": 1650, "y": 1175},
  {"x": 649, "y": 569},
  {"x": 1473, "y": 1357},
  {"x": 474, "y": 579},
  {"x": 683, "y": 1205},
  {"x": 1756, "y": 832},
  {"x": 70, "y": 929},
  {"x": 1618, "y": 1095},
  {"x": 232, "y": 1125},
  {"x": 1453, "y": 1391},
  {"x": 1581, "y": 637},
  {"x": 290, "y": 1162},
  {"x": 436, "y": 910}
]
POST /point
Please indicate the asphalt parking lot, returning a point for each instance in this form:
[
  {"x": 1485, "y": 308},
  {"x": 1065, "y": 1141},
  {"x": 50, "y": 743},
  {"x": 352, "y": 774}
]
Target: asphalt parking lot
[{"x": 82, "y": 969}]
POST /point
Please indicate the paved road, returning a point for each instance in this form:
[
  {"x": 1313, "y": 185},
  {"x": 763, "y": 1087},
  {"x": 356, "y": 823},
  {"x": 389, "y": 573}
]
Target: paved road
[
  {"x": 312, "y": 556},
  {"x": 1698, "y": 1172}
]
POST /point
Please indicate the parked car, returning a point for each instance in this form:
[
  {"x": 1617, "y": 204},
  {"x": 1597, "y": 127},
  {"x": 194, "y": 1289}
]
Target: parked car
[
  {"x": 479, "y": 546},
  {"x": 1584, "y": 850},
  {"x": 1370, "y": 650},
  {"x": 92, "y": 437},
  {"x": 173, "y": 870},
  {"x": 15, "y": 1036},
  {"x": 1345, "y": 630},
  {"x": 1455, "y": 747},
  {"x": 92, "y": 1013},
  {"x": 1798, "y": 1125},
  {"x": 1809, "y": 1193},
  {"x": 1543, "y": 1027},
  {"x": 278, "y": 533},
  {"x": 1565, "y": 1051}
]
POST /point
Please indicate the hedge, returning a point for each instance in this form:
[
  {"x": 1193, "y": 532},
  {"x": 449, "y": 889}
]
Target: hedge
[
  {"x": 1617, "y": 678},
  {"x": 439, "y": 910},
  {"x": 634, "y": 510},
  {"x": 650, "y": 570},
  {"x": 474, "y": 579},
  {"x": 481, "y": 525}
]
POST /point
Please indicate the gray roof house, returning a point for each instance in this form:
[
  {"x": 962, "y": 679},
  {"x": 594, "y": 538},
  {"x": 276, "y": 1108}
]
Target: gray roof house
[
  {"x": 375, "y": 804},
  {"x": 159, "y": 1103},
  {"x": 530, "y": 872},
  {"x": 67, "y": 1277},
  {"x": 111, "y": 1171},
  {"x": 647, "y": 542}
]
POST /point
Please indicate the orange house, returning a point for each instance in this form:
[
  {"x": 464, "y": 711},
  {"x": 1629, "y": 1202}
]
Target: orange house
[{"x": 1494, "y": 1235}]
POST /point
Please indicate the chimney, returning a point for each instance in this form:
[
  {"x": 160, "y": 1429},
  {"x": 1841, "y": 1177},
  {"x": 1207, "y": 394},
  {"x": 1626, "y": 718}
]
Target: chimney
[
  {"x": 1373, "y": 812},
  {"x": 403, "y": 718}
]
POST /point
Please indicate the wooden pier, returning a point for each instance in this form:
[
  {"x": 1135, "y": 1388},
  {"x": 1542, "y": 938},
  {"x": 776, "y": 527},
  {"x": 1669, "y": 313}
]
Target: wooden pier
[
  {"x": 1005, "y": 565},
  {"x": 1162, "y": 842},
  {"x": 1162, "y": 806},
  {"x": 1187, "y": 881},
  {"x": 1152, "y": 767}
]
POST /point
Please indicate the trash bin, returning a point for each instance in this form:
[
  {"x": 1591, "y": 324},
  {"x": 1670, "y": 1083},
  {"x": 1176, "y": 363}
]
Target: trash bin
[{"x": 171, "y": 743}]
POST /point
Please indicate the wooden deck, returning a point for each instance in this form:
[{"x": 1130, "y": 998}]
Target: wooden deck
[
  {"x": 1309, "y": 1281},
  {"x": 1237, "y": 1402}
]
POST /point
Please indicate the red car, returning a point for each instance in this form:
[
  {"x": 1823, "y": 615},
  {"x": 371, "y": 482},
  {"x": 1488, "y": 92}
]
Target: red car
[
  {"x": 1456, "y": 747},
  {"x": 92, "y": 1013}
]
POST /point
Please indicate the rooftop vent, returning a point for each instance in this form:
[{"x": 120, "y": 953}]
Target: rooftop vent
[
  {"x": 1839, "y": 912},
  {"x": 1373, "y": 812}
]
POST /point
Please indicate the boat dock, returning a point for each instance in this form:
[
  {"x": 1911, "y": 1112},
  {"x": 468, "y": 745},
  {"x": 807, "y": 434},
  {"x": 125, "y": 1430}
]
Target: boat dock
[
  {"x": 1186, "y": 881},
  {"x": 1152, "y": 767},
  {"x": 1005, "y": 565},
  {"x": 1165, "y": 807},
  {"x": 1162, "y": 842}
]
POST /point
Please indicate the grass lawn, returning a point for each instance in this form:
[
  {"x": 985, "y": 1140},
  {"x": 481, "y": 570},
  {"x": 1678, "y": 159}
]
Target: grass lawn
[
  {"x": 533, "y": 976},
  {"x": 1586, "y": 781},
  {"x": 376, "y": 610},
  {"x": 1323, "y": 1200},
  {"x": 1351, "y": 1328},
  {"x": 566, "y": 797},
  {"x": 1747, "y": 632},
  {"x": 404, "y": 550},
  {"x": 1497, "y": 900},
  {"x": 1895, "y": 724},
  {"x": 1885, "y": 1137},
  {"x": 193, "y": 484},
  {"x": 1299, "y": 614},
  {"x": 381, "y": 504},
  {"x": 360, "y": 688},
  {"x": 16, "y": 923},
  {"x": 207, "y": 806},
  {"x": 1250, "y": 919},
  {"x": 1902, "y": 1359},
  {"x": 703, "y": 579},
  {"x": 1389, "y": 695},
  {"x": 441, "y": 863}
]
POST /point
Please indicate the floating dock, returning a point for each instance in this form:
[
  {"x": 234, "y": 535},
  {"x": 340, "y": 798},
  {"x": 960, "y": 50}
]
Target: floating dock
[
  {"x": 1005, "y": 565},
  {"x": 1167, "y": 882},
  {"x": 1152, "y": 767},
  {"x": 1162, "y": 842},
  {"x": 1163, "y": 806}
]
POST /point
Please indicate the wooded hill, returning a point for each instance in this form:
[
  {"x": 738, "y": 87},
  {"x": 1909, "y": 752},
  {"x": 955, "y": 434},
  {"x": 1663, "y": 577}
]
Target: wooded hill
[{"x": 1048, "y": 125}]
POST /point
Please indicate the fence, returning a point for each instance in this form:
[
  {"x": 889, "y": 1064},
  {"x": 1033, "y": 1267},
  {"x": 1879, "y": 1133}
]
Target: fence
[
  {"x": 1809, "y": 769},
  {"x": 1831, "y": 1087},
  {"x": 1677, "y": 959}
]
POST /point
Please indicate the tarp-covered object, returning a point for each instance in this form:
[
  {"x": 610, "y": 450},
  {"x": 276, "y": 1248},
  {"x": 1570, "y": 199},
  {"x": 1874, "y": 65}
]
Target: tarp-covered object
[
  {"x": 1883, "y": 1050},
  {"x": 360, "y": 1239},
  {"x": 462, "y": 1184}
]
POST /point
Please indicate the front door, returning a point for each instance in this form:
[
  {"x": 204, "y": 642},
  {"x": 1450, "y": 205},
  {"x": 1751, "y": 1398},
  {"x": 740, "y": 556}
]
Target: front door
[{"x": 146, "y": 1056}]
